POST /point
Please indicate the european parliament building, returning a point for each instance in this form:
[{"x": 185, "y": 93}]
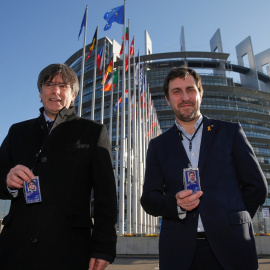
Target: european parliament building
[
  {"x": 238, "y": 92},
  {"x": 232, "y": 92}
]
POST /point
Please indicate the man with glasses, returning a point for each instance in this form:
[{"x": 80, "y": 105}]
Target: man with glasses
[{"x": 62, "y": 151}]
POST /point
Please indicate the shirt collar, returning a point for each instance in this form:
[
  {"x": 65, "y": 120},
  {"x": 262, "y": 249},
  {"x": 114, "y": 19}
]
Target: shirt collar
[
  {"x": 196, "y": 124},
  {"x": 47, "y": 118}
]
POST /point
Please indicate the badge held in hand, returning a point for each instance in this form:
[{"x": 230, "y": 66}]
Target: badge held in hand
[
  {"x": 192, "y": 179},
  {"x": 32, "y": 191}
]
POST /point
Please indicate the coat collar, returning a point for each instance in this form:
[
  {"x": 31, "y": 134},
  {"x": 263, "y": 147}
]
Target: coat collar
[
  {"x": 64, "y": 112},
  {"x": 63, "y": 116}
]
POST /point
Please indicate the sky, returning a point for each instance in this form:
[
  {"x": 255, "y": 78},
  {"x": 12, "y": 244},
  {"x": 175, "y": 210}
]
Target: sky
[{"x": 36, "y": 33}]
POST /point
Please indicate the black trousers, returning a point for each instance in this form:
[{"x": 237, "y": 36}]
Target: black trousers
[{"x": 204, "y": 258}]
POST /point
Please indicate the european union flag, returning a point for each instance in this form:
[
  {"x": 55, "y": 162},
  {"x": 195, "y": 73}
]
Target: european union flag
[{"x": 114, "y": 15}]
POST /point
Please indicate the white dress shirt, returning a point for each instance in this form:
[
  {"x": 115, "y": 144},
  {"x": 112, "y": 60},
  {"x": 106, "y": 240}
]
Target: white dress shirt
[{"x": 193, "y": 156}]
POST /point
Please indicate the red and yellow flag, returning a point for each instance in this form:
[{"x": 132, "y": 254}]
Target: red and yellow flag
[{"x": 108, "y": 70}]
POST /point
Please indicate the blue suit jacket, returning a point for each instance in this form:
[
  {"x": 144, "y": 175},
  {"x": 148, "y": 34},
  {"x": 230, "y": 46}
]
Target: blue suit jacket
[{"x": 233, "y": 186}]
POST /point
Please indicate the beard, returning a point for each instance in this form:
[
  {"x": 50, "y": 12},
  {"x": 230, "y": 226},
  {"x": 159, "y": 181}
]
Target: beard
[{"x": 187, "y": 116}]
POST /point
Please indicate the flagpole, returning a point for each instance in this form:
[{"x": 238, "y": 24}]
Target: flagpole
[
  {"x": 149, "y": 218},
  {"x": 148, "y": 118},
  {"x": 94, "y": 81},
  {"x": 140, "y": 166},
  {"x": 123, "y": 135},
  {"x": 111, "y": 107},
  {"x": 135, "y": 161},
  {"x": 117, "y": 133},
  {"x": 128, "y": 225},
  {"x": 144, "y": 228},
  {"x": 79, "y": 113},
  {"x": 102, "y": 95}
]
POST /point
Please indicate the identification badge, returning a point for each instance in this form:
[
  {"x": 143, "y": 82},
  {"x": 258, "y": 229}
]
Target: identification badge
[
  {"x": 192, "y": 179},
  {"x": 32, "y": 191}
]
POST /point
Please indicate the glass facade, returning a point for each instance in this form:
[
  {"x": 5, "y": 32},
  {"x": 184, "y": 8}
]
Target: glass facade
[{"x": 223, "y": 99}]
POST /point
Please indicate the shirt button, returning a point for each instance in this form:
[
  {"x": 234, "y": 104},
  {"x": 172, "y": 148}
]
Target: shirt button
[{"x": 43, "y": 159}]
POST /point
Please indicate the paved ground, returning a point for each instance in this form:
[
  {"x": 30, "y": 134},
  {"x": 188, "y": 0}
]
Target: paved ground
[
  {"x": 151, "y": 263},
  {"x": 134, "y": 263}
]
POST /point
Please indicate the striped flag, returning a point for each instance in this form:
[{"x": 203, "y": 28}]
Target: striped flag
[
  {"x": 94, "y": 41},
  {"x": 100, "y": 58},
  {"x": 127, "y": 38},
  {"x": 113, "y": 80},
  {"x": 108, "y": 70}
]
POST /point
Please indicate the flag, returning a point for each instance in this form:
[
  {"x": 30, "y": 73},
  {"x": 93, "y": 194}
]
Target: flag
[
  {"x": 119, "y": 103},
  {"x": 92, "y": 45},
  {"x": 100, "y": 58},
  {"x": 121, "y": 51},
  {"x": 131, "y": 52},
  {"x": 127, "y": 37},
  {"x": 83, "y": 24},
  {"x": 127, "y": 34},
  {"x": 114, "y": 15},
  {"x": 137, "y": 73},
  {"x": 142, "y": 86},
  {"x": 109, "y": 69},
  {"x": 113, "y": 80},
  {"x": 126, "y": 63},
  {"x": 131, "y": 107},
  {"x": 141, "y": 83},
  {"x": 108, "y": 86}
]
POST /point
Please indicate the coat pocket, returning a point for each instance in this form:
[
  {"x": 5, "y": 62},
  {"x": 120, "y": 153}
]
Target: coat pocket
[{"x": 240, "y": 217}]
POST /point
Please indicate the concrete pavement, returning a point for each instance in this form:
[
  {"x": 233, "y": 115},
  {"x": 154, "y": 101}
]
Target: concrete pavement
[{"x": 140, "y": 262}]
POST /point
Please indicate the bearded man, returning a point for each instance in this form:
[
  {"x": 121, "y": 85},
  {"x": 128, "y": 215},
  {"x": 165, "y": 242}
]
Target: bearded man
[{"x": 211, "y": 229}]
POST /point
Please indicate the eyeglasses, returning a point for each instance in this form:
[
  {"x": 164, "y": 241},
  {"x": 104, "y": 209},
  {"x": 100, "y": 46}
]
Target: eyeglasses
[{"x": 51, "y": 85}]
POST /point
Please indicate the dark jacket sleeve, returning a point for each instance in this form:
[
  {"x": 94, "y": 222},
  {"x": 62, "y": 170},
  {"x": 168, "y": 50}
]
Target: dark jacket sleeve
[
  {"x": 155, "y": 201},
  {"x": 5, "y": 166},
  {"x": 105, "y": 200},
  {"x": 251, "y": 178}
]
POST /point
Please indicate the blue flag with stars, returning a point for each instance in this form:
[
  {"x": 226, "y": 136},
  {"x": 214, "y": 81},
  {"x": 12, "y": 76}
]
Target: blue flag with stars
[{"x": 114, "y": 15}]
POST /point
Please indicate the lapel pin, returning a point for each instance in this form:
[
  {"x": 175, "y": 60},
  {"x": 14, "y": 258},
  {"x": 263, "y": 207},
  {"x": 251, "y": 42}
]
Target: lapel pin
[{"x": 209, "y": 128}]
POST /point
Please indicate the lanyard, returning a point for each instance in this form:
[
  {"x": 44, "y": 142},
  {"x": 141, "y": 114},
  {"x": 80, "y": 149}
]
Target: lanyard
[{"x": 190, "y": 140}]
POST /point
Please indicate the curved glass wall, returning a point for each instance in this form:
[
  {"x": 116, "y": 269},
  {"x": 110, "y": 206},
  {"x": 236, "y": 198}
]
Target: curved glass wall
[{"x": 223, "y": 99}]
